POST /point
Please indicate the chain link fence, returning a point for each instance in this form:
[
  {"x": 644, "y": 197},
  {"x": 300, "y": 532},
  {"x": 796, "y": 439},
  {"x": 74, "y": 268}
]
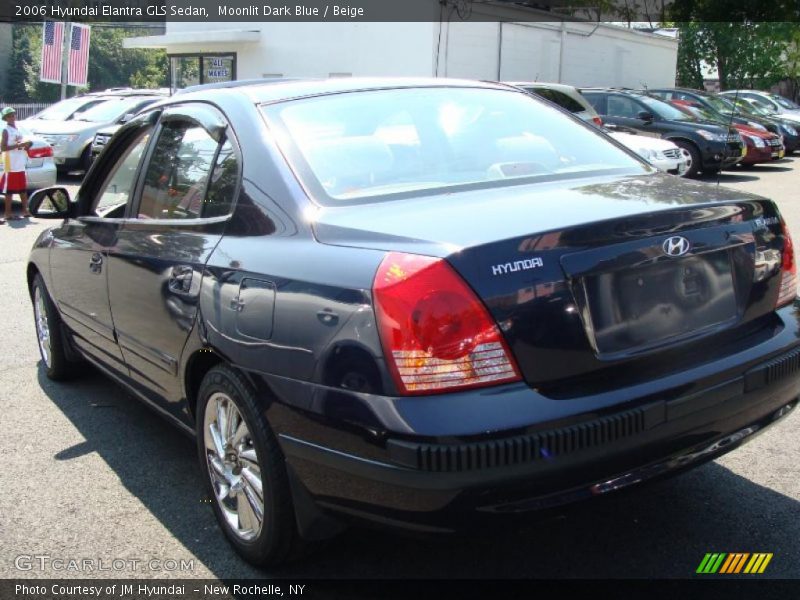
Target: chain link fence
[{"x": 27, "y": 110}]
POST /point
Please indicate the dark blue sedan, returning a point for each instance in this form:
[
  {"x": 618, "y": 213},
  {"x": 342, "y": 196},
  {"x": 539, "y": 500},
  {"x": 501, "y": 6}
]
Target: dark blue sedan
[{"x": 421, "y": 303}]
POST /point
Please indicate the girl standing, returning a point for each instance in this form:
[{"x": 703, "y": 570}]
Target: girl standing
[{"x": 15, "y": 157}]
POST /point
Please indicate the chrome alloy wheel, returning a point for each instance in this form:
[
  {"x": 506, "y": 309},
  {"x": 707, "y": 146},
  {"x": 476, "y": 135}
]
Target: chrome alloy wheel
[
  {"x": 42, "y": 328},
  {"x": 688, "y": 155},
  {"x": 233, "y": 467}
]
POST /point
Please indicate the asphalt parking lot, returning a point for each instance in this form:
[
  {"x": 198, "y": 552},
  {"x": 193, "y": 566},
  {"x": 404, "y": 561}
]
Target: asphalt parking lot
[{"x": 90, "y": 473}]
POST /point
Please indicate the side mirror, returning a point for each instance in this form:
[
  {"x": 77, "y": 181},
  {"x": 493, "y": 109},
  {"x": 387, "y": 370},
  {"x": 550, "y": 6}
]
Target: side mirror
[
  {"x": 645, "y": 116},
  {"x": 51, "y": 203},
  {"x": 126, "y": 117}
]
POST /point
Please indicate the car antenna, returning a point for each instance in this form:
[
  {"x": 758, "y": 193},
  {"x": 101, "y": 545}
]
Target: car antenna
[{"x": 730, "y": 124}]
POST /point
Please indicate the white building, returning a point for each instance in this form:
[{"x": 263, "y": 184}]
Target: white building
[{"x": 577, "y": 53}]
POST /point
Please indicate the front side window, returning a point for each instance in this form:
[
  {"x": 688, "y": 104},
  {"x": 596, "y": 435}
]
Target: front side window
[
  {"x": 186, "y": 177},
  {"x": 118, "y": 187},
  {"x": 383, "y": 144}
]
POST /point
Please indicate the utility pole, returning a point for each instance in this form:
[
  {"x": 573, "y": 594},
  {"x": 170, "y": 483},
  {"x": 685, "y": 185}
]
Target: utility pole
[{"x": 65, "y": 57}]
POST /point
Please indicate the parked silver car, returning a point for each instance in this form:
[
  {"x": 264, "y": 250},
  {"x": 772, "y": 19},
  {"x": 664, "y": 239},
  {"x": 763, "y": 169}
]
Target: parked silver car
[
  {"x": 71, "y": 139},
  {"x": 40, "y": 170}
]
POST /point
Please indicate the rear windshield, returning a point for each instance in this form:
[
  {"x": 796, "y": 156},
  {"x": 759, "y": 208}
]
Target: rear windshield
[
  {"x": 111, "y": 110},
  {"x": 784, "y": 102},
  {"x": 384, "y": 144},
  {"x": 61, "y": 111},
  {"x": 559, "y": 98}
]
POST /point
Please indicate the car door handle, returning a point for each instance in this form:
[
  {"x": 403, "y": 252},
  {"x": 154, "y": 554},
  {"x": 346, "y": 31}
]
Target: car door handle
[
  {"x": 327, "y": 317},
  {"x": 96, "y": 263},
  {"x": 180, "y": 279}
]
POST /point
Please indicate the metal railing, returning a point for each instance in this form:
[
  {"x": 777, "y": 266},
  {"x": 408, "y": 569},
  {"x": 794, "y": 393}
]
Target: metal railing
[{"x": 28, "y": 109}]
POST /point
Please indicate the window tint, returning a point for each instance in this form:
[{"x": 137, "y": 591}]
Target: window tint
[
  {"x": 559, "y": 98},
  {"x": 596, "y": 100},
  {"x": 185, "y": 179},
  {"x": 119, "y": 185},
  {"x": 620, "y": 106}
]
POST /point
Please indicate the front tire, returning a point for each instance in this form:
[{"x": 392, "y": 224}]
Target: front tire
[
  {"x": 693, "y": 155},
  {"x": 243, "y": 470},
  {"x": 49, "y": 333}
]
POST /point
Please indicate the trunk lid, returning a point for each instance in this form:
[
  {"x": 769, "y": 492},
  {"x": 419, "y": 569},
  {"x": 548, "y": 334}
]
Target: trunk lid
[{"x": 588, "y": 278}]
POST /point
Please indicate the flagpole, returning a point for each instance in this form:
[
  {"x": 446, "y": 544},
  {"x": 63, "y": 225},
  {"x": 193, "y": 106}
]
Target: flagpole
[{"x": 65, "y": 57}]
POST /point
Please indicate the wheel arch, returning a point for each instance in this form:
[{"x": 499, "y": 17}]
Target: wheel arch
[
  {"x": 200, "y": 362},
  {"x": 31, "y": 272}
]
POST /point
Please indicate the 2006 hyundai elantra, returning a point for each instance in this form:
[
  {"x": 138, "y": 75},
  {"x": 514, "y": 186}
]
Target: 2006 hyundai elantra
[{"x": 416, "y": 302}]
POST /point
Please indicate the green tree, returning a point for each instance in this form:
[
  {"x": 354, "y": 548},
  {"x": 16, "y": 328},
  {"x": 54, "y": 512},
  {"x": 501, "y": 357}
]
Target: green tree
[
  {"x": 690, "y": 56},
  {"x": 748, "y": 54},
  {"x": 110, "y": 65}
]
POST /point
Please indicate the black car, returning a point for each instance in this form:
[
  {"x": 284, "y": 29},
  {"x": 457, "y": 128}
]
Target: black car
[
  {"x": 729, "y": 112},
  {"x": 422, "y": 303},
  {"x": 712, "y": 146}
]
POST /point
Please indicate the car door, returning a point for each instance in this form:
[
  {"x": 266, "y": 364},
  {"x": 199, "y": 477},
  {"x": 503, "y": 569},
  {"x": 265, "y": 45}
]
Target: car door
[
  {"x": 79, "y": 254},
  {"x": 185, "y": 194},
  {"x": 625, "y": 111}
]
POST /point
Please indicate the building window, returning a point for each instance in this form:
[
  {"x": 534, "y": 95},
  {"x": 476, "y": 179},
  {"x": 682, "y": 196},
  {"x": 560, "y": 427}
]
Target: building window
[{"x": 196, "y": 69}]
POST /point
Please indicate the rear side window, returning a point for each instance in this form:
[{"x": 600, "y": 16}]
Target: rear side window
[
  {"x": 559, "y": 98},
  {"x": 597, "y": 101},
  {"x": 190, "y": 175}
]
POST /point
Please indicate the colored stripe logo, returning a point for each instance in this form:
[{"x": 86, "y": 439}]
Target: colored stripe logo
[{"x": 734, "y": 563}]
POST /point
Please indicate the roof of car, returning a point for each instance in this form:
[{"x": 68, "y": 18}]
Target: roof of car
[
  {"x": 276, "y": 90},
  {"x": 117, "y": 92},
  {"x": 679, "y": 89},
  {"x": 630, "y": 91},
  {"x": 542, "y": 85}
]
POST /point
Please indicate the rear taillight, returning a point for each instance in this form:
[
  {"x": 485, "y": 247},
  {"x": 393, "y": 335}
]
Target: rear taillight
[
  {"x": 788, "y": 289},
  {"x": 40, "y": 152},
  {"x": 598, "y": 121},
  {"x": 436, "y": 333}
]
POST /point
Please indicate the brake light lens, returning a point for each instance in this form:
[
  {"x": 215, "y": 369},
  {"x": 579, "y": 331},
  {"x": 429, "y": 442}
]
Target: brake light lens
[
  {"x": 597, "y": 121},
  {"x": 788, "y": 289},
  {"x": 40, "y": 152},
  {"x": 436, "y": 334}
]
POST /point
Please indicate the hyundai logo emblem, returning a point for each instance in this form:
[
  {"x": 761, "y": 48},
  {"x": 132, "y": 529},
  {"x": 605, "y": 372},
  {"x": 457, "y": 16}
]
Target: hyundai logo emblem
[{"x": 676, "y": 246}]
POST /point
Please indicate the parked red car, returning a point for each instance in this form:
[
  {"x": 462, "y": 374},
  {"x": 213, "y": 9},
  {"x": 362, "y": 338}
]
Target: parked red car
[{"x": 762, "y": 146}]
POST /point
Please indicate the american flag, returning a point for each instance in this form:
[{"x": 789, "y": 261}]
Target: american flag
[
  {"x": 53, "y": 35},
  {"x": 79, "y": 55}
]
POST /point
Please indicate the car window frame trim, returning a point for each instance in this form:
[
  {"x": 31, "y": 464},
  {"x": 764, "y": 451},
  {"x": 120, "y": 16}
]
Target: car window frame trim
[{"x": 173, "y": 113}]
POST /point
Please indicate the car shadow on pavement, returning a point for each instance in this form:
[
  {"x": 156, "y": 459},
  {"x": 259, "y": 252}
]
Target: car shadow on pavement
[
  {"x": 659, "y": 530},
  {"x": 730, "y": 177},
  {"x": 768, "y": 168}
]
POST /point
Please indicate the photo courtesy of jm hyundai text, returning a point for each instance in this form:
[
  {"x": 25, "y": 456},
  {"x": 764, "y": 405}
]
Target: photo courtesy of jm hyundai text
[{"x": 424, "y": 304}]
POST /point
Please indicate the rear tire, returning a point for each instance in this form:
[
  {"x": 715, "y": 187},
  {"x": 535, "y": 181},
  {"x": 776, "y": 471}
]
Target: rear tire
[
  {"x": 50, "y": 334},
  {"x": 243, "y": 470},
  {"x": 693, "y": 168}
]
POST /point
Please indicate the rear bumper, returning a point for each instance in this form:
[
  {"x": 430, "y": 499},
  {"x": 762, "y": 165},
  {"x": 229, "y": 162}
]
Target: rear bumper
[
  {"x": 443, "y": 483},
  {"x": 41, "y": 177}
]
